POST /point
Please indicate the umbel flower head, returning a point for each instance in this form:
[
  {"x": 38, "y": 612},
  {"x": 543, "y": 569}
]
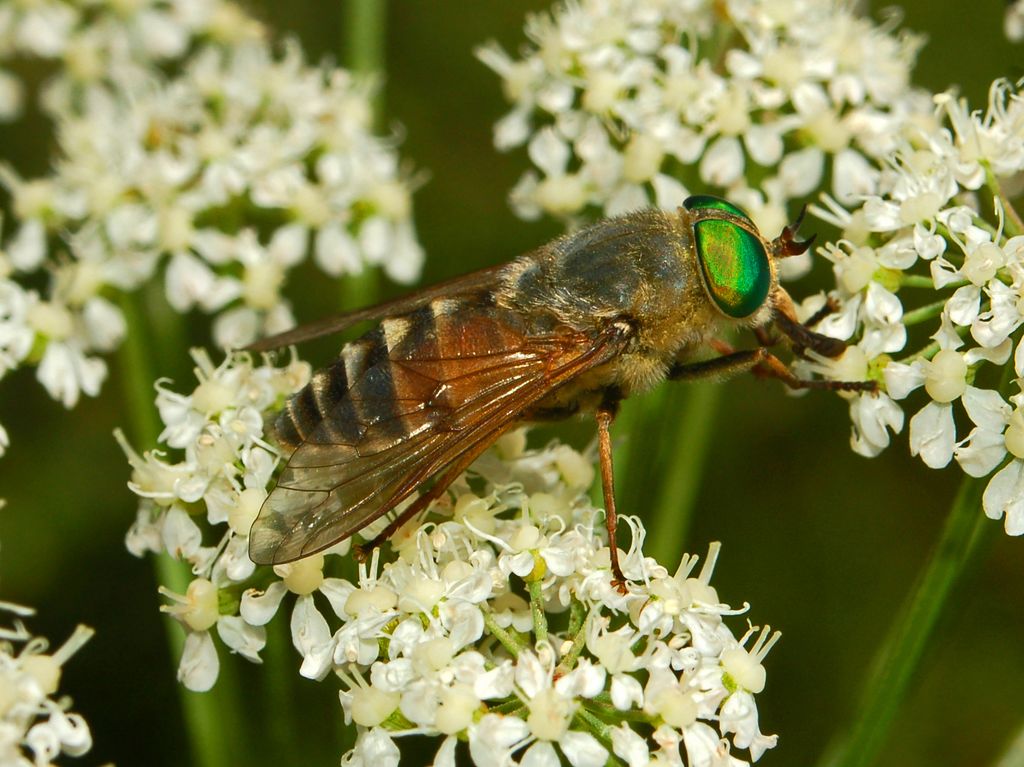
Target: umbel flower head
[
  {"x": 941, "y": 232},
  {"x": 493, "y": 622},
  {"x": 35, "y": 726},
  {"x": 217, "y": 180},
  {"x": 626, "y": 103},
  {"x": 96, "y": 46}
]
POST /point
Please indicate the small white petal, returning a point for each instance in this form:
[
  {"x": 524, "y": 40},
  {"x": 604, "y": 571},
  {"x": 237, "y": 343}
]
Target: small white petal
[
  {"x": 963, "y": 305},
  {"x": 582, "y": 749},
  {"x": 901, "y": 379},
  {"x": 853, "y": 177},
  {"x": 933, "y": 434},
  {"x": 199, "y": 664},
  {"x": 764, "y": 144},
  {"x": 181, "y": 536},
  {"x": 722, "y": 163},
  {"x": 445, "y": 756},
  {"x": 493, "y": 736},
  {"x": 1005, "y": 496},
  {"x": 27, "y": 248},
  {"x": 626, "y": 692},
  {"x": 540, "y": 754},
  {"x": 981, "y": 452},
  {"x": 336, "y": 251},
  {"x": 549, "y": 152},
  {"x": 258, "y": 607},
  {"x": 986, "y": 408},
  {"x": 312, "y": 638},
  {"x": 242, "y": 638},
  {"x": 1018, "y": 359},
  {"x": 801, "y": 171},
  {"x": 872, "y": 417},
  {"x": 630, "y": 746},
  {"x": 374, "y": 748}
]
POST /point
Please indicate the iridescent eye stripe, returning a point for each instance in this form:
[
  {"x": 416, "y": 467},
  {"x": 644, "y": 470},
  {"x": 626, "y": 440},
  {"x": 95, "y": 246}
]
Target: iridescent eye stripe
[
  {"x": 696, "y": 201},
  {"x": 735, "y": 266}
]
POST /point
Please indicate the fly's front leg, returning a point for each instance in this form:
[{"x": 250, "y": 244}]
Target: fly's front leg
[
  {"x": 760, "y": 362},
  {"x": 785, "y": 319},
  {"x": 730, "y": 364}
]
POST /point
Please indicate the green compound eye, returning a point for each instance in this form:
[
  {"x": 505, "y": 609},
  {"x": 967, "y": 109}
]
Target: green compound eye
[
  {"x": 696, "y": 201},
  {"x": 735, "y": 265}
]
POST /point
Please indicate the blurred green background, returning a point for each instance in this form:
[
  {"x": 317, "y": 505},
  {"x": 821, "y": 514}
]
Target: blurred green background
[{"x": 823, "y": 544}]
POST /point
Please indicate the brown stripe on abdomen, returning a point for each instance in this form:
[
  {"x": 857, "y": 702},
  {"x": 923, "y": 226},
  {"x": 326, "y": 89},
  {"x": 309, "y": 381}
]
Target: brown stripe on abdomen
[
  {"x": 322, "y": 411},
  {"x": 372, "y": 397}
]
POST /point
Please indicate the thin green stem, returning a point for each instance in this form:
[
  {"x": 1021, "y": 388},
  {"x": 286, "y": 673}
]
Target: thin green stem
[
  {"x": 916, "y": 281},
  {"x": 362, "y": 42},
  {"x": 924, "y": 313},
  {"x": 929, "y": 351},
  {"x": 278, "y": 687},
  {"x": 579, "y": 640},
  {"x": 682, "y": 455},
  {"x": 899, "y": 659},
  {"x": 508, "y": 640},
  {"x": 363, "y": 36},
  {"x": 1013, "y": 223},
  {"x": 599, "y": 730},
  {"x": 540, "y": 619},
  {"x": 208, "y": 716}
]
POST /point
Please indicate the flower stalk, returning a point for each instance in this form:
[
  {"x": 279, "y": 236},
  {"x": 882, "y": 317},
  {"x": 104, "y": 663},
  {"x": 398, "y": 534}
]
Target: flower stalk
[
  {"x": 899, "y": 659},
  {"x": 206, "y": 715}
]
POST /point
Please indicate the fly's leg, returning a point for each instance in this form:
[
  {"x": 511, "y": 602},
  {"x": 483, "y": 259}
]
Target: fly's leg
[
  {"x": 762, "y": 363},
  {"x": 785, "y": 320},
  {"x": 605, "y": 416},
  {"x": 730, "y": 364},
  {"x": 831, "y": 307}
]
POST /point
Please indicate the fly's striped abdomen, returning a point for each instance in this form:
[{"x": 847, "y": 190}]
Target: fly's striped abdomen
[
  {"x": 367, "y": 386},
  {"x": 424, "y": 393}
]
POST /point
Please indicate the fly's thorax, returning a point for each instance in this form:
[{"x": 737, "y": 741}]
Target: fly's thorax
[
  {"x": 629, "y": 267},
  {"x": 679, "y": 278}
]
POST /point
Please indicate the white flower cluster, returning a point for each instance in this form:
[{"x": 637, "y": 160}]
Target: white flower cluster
[
  {"x": 497, "y": 623},
  {"x": 941, "y": 233},
  {"x": 106, "y": 44},
  {"x": 35, "y": 727},
  {"x": 625, "y": 103},
  {"x": 218, "y": 181}
]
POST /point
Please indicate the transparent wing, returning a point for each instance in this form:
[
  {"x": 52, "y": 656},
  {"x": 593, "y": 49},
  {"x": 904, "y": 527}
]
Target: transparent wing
[
  {"x": 434, "y": 395},
  {"x": 467, "y": 284}
]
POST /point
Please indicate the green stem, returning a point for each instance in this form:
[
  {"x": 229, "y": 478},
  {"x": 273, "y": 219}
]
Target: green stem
[
  {"x": 924, "y": 313},
  {"x": 540, "y": 620},
  {"x": 599, "y": 730},
  {"x": 929, "y": 351},
  {"x": 363, "y": 38},
  {"x": 507, "y": 639},
  {"x": 279, "y": 660},
  {"x": 682, "y": 455},
  {"x": 899, "y": 659},
  {"x": 207, "y": 715},
  {"x": 916, "y": 281},
  {"x": 579, "y": 639},
  {"x": 1013, "y": 223},
  {"x": 1013, "y": 754}
]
